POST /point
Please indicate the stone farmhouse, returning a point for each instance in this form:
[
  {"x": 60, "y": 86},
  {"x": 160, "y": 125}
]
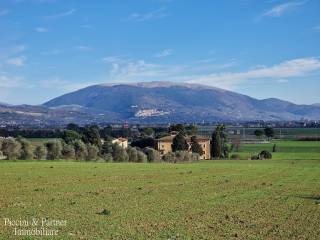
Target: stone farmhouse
[{"x": 164, "y": 145}]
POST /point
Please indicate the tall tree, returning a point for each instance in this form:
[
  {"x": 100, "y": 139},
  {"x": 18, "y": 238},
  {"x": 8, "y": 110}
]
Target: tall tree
[
  {"x": 179, "y": 143},
  {"x": 106, "y": 148},
  {"x": 216, "y": 144},
  {"x": 144, "y": 142},
  {"x": 258, "y": 133},
  {"x": 191, "y": 130},
  {"x": 219, "y": 148},
  {"x": 269, "y": 132},
  {"x": 91, "y": 135},
  {"x": 70, "y": 136},
  {"x": 195, "y": 146},
  {"x": 73, "y": 127},
  {"x": 177, "y": 128},
  {"x": 148, "y": 131}
]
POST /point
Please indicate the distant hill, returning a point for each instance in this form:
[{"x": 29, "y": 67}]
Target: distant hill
[
  {"x": 173, "y": 102},
  {"x": 154, "y": 102}
]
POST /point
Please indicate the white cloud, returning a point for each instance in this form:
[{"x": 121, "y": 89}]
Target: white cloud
[
  {"x": 214, "y": 74},
  {"x": 16, "y": 61},
  {"x": 156, "y": 14},
  {"x": 292, "y": 68},
  {"x": 41, "y": 29},
  {"x": 137, "y": 70},
  {"x": 61, "y": 14},
  {"x": 281, "y": 9},
  {"x": 164, "y": 53},
  {"x": 4, "y": 12}
]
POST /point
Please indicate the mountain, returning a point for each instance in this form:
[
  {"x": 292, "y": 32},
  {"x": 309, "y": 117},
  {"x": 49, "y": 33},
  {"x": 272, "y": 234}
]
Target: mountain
[
  {"x": 153, "y": 102},
  {"x": 174, "y": 102}
]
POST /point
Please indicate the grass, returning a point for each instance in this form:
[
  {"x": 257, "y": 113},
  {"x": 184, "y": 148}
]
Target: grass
[
  {"x": 206, "y": 200},
  {"x": 286, "y": 150},
  {"x": 287, "y": 133}
]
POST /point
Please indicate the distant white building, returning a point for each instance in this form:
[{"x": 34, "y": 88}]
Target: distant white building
[{"x": 123, "y": 142}]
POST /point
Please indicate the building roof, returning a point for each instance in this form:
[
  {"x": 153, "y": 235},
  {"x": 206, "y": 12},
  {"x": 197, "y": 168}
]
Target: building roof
[{"x": 120, "y": 139}]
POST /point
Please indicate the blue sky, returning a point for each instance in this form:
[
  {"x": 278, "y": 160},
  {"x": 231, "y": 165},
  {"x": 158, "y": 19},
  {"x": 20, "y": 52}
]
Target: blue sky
[{"x": 259, "y": 48}]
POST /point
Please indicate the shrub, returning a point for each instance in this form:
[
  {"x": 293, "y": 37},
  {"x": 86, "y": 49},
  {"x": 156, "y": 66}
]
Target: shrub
[
  {"x": 53, "y": 149},
  {"x": 68, "y": 151},
  {"x": 132, "y": 154},
  {"x": 152, "y": 155},
  {"x": 142, "y": 158},
  {"x": 80, "y": 150},
  {"x": 108, "y": 157},
  {"x": 26, "y": 149},
  {"x": 169, "y": 157},
  {"x": 254, "y": 157},
  {"x": 92, "y": 152},
  {"x": 235, "y": 157},
  {"x": 11, "y": 148},
  {"x": 40, "y": 152},
  {"x": 181, "y": 156},
  {"x": 265, "y": 155},
  {"x": 119, "y": 154},
  {"x": 195, "y": 157}
]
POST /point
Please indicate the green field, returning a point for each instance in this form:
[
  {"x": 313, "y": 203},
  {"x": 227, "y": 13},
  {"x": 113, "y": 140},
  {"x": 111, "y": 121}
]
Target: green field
[
  {"x": 225, "y": 199},
  {"x": 286, "y": 150},
  {"x": 205, "y": 200}
]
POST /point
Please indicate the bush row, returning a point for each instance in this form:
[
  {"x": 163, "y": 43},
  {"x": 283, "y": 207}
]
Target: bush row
[{"x": 22, "y": 149}]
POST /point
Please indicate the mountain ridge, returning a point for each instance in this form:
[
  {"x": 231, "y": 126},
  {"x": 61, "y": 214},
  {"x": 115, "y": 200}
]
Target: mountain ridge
[
  {"x": 154, "y": 102},
  {"x": 187, "y": 101}
]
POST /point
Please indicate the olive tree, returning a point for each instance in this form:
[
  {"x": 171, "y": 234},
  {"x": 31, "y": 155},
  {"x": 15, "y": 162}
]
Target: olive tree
[
  {"x": 53, "y": 149},
  {"x": 40, "y": 152},
  {"x": 11, "y": 148}
]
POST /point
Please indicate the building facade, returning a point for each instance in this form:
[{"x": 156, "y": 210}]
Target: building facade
[
  {"x": 122, "y": 142},
  {"x": 164, "y": 145}
]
